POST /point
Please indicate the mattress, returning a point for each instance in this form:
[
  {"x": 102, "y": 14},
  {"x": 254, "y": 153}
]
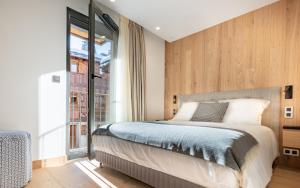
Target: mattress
[{"x": 256, "y": 171}]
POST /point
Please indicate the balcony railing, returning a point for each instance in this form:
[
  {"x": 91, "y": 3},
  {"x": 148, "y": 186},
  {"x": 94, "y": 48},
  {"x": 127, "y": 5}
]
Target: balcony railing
[{"x": 78, "y": 127}]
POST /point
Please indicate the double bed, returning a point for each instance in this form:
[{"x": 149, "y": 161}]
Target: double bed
[{"x": 161, "y": 166}]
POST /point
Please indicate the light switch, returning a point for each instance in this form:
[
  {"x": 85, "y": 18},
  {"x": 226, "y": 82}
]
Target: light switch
[
  {"x": 174, "y": 99},
  {"x": 55, "y": 79},
  {"x": 288, "y": 112},
  {"x": 288, "y": 92}
]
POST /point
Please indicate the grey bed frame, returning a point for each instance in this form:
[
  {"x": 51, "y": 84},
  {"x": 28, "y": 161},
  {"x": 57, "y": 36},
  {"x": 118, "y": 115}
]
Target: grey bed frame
[
  {"x": 149, "y": 176},
  {"x": 154, "y": 178}
]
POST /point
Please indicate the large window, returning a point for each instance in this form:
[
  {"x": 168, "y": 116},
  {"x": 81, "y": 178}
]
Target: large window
[
  {"x": 103, "y": 34},
  {"x": 78, "y": 90},
  {"x": 103, "y": 50}
]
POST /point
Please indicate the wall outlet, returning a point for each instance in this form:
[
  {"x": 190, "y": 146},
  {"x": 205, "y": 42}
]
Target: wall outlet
[
  {"x": 291, "y": 152},
  {"x": 174, "y": 112},
  {"x": 288, "y": 112}
]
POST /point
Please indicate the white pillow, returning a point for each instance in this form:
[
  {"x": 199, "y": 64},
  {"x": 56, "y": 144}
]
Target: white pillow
[
  {"x": 186, "y": 111},
  {"x": 248, "y": 111}
]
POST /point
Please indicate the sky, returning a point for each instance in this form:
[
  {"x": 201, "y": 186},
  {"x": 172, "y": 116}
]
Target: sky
[{"x": 103, "y": 51}]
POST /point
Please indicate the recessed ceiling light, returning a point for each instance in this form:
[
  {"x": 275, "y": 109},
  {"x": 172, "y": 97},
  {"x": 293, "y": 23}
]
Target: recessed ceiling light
[
  {"x": 157, "y": 28},
  {"x": 112, "y": 0}
]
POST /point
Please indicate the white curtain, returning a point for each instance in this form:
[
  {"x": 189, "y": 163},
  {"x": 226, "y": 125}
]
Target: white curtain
[{"x": 123, "y": 109}]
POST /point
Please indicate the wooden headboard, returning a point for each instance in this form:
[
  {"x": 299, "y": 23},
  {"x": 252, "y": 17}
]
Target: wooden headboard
[{"x": 271, "y": 116}]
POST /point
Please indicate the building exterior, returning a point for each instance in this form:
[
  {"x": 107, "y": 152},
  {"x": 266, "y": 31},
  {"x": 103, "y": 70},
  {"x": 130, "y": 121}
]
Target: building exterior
[{"x": 78, "y": 96}]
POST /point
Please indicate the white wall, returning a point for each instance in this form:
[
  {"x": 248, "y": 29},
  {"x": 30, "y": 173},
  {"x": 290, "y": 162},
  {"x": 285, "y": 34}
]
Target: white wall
[
  {"x": 155, "y": 76},
  {"x": 32, "y": 50}
]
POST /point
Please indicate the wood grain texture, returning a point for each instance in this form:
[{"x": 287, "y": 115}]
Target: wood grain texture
[
  {"x": 69, "y": 175},
  {"x": 52, "y": 162},
  {"x": 256, "y": 50},
  {"x": 81, "y": 174},
  {"x": 291, "y": 138}
]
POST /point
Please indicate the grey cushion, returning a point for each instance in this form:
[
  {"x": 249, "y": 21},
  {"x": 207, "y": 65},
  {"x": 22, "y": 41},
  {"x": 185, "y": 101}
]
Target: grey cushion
[{"x": 210, "y": 112}]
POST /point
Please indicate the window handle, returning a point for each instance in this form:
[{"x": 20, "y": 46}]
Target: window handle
[{"x": 96, "y": 76}]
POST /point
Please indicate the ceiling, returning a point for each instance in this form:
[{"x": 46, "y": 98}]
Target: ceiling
[{"x": 180, "y": 18}]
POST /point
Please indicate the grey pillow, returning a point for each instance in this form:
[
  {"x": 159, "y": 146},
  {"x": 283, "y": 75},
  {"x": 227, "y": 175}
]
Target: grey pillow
[{"x": 210, "y": 112}]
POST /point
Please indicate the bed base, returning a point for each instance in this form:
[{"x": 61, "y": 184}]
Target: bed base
[{"x": 149, "y": 176}]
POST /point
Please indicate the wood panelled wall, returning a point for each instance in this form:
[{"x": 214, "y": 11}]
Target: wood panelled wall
[
  {"x": 256, "y": 50},
  {"x": 259, "y": 49}
]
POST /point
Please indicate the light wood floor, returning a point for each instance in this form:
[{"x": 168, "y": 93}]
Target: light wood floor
[{"x": 85, "y": 174}]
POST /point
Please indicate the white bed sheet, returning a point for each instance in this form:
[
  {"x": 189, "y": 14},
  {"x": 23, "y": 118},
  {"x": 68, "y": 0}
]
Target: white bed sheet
[{"x": 256, "y": 171}]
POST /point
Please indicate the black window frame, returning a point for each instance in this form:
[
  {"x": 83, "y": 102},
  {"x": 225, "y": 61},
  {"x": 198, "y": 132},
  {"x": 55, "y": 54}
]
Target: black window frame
[
  {"x": 80, "y": 20},
  {"x": 88, "y": 23}
]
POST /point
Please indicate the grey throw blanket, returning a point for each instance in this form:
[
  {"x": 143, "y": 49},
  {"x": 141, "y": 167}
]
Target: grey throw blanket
[{"x": 227, "y": 147}]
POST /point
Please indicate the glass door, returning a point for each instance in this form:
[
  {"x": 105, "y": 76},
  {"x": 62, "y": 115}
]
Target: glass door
[
  {"x": 77, "y": 84},
  {"x": 102, "y": 42}
]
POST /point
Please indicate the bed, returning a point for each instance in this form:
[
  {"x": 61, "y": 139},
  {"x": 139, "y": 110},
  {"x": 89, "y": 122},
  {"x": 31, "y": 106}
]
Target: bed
[{"x": 163, "y": 168}]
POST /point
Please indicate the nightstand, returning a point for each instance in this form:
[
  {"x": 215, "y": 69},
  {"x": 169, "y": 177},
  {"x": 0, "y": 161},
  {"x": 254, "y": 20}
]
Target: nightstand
[
  {"x": 291, "y": 146},
  {"x": 291, "y": 136}
]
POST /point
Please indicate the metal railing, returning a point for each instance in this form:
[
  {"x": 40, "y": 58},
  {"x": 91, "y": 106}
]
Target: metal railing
[{"x": 78, "y": 124}]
